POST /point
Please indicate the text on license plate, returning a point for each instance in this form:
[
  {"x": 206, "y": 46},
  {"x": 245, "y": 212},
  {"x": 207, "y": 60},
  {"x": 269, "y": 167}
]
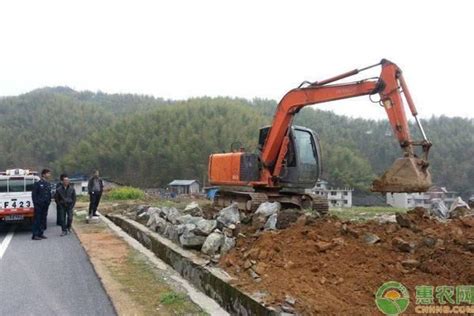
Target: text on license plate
[
  {"x": 14, "y": 218},
  {"x": 15, "y": 204}
]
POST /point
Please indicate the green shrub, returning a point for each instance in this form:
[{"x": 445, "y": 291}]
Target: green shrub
[{"x": 125, "y": 193}]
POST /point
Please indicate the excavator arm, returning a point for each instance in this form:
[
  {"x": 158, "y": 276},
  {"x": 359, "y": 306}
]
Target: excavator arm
[{"x": 407, "y": 174}]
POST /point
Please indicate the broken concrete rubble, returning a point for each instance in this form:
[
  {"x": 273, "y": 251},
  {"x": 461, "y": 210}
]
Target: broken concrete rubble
[
  {"x": 189, "y": 239},
  {"x": 229, "y": 216},
  {"x": 271, "y": 222},
  {"x": 188, "y": 219},
  {"x": 205, "y": 227},
  {"x": 213, "y": 243},
  {"x": 193, "y": 209},
  {"x": 172, "y": 215},
  {"x": 192, "y": 231},
  {"x": 227, "y": 245},
  {"x": 268, "y": 208}
]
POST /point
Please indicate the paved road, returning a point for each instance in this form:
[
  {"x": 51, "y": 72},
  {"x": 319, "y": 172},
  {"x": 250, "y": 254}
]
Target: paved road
[{"x": 48, "y": 277}]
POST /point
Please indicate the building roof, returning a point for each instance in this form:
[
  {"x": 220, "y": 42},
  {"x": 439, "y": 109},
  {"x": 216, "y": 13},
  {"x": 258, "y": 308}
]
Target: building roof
[{"x": 182, "y": 182}]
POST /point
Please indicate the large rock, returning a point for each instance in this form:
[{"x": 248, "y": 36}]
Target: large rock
[
  {"x": 190, "y": 240},
  {"x": 271, "y": 222},
  {"x": 161, "y": 226},
  {"x": 229, "y": 215},
  {"x": 213, "y": 243},
  {"x": 403, "y": 245},
  {"x": 140, "y": 209},
  {"x": 189, "y": 227},
  {"x": 188, "y": 219},
  {"x": 439, "y": 209},
  {"x": 267, "y": 209},
  {"x": 164, "y": 211},
  {"x": 193, "y": 209},
  {"x": 205, "y": 227},
  {"x": 153, "y": 210},
  {"x": 152, "y": 220},
  {"x": 173, "y": 215},
  {"x": 172, "y": 233},
  {"x": 227, "y": 245}
]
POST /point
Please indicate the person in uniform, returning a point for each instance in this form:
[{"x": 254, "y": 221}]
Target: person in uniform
[
  {"x": 65, "y": 198},
  {"x": 41, "y": 196},
  {"x": 95, "y": 187}
]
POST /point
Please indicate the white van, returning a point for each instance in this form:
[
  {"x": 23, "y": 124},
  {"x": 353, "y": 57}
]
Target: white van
[{"x": 16, "y": 204}]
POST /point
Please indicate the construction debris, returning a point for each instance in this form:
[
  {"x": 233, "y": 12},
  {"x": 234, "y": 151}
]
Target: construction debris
[
  {"x": 317, "y": 261},
  {"x": 301, "y": 262}
]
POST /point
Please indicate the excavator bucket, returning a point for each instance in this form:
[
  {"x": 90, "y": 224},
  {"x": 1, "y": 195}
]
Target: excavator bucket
[{"x": 405, "y": 175}]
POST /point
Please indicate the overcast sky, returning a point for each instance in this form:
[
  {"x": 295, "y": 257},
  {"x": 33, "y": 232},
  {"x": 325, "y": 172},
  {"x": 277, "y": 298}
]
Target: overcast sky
[{"x": 182, "y": 49}]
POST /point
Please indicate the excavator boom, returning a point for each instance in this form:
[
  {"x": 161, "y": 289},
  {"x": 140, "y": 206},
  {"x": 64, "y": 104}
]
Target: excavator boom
[{"x": 407, "y": 174}]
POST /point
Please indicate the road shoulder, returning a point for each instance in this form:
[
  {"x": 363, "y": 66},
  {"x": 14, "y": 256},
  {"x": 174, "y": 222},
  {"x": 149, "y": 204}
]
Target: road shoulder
[{"x": 135, "y": 285}]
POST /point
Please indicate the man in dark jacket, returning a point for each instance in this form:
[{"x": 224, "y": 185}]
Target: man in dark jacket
[
  {"x": 41, "y": 196},
  {"x": 95, "y": 187},
  {"x": 65, "y": 200}
]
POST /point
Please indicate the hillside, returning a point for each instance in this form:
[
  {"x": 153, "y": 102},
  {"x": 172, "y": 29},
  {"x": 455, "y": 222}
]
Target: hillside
[{"x": 147, "y": 141}]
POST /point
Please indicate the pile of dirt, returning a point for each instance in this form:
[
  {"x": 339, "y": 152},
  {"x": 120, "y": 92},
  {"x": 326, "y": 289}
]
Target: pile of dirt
[{"x": 327, "y": 266}]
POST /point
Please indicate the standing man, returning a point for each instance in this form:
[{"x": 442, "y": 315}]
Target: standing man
[
  {"x": 65, "y": 200},
  {"x": 41, "y": 196},
  {"x": 95, "y": 188}
]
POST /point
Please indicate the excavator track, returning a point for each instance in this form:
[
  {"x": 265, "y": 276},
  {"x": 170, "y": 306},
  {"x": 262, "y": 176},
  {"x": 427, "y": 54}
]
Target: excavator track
[
  {"x": 248, "y": 202},
  {"x": 320, "y": 204}
]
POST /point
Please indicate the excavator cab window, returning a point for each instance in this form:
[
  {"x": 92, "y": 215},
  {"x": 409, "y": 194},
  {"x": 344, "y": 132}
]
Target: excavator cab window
[
  {"x": 263, "y": 136},
  {"x": 305, "y": 147}
]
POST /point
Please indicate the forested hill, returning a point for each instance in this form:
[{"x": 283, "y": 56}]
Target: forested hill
[{"x": 147, "y": 141}]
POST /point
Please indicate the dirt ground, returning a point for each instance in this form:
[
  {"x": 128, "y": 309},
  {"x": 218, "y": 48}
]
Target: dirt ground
[{"x": 333, "y": 267}]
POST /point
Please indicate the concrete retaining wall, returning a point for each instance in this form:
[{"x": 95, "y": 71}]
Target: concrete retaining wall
[{"x": 213, "y": 281}]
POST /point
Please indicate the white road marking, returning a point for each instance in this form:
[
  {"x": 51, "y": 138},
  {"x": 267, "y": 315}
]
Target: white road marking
[{"x": 6, "y": 242}]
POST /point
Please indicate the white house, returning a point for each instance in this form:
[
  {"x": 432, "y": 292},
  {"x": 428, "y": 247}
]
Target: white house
[
  {"x": 411, "y": 200},
  {"x": 336, "y": 197},
  {"x": 79, "y": 182}
]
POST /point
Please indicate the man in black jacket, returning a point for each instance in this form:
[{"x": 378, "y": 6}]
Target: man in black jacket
[
  {"x": 41, "y": 196},
  {"x": 95, "y": 187},
  {"x": 65, "y": 200}
]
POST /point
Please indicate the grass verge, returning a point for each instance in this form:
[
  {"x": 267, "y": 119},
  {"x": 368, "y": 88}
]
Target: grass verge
[{"x": 135, "y": 285}]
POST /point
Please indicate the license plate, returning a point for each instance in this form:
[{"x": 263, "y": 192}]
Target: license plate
[
  {"x": 14, "y": 204},
  {"x": 10, "y": 218}
]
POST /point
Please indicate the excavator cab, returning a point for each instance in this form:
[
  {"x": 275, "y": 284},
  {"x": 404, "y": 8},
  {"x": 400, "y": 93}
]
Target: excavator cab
[{"x": 303, "y": 159}]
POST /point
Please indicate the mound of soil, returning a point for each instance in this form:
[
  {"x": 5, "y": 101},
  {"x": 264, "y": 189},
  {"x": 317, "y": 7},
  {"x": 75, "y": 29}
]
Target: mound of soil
[{"x": 332, "y": 267}]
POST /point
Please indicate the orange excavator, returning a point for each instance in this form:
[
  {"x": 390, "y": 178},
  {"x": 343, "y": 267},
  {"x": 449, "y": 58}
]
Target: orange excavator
[{"x": 289, "y": 158}]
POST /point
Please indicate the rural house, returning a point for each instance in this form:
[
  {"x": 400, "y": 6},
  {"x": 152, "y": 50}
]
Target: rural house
[
  {"x": 336, "y": 197},
  {"x": 184, "y": 186}
]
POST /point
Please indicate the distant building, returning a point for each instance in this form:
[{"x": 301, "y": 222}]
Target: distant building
[
  {"x": 411, "y": 200},
  {"x": 184, "y": 186},
  {"x": 336, "y": 197},
  {"x": 79, "y": 182}
]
